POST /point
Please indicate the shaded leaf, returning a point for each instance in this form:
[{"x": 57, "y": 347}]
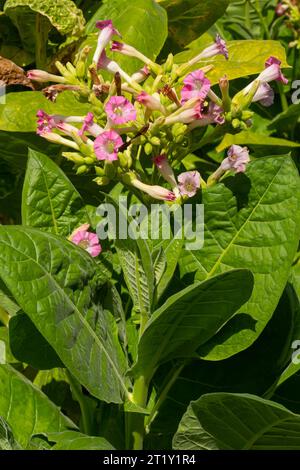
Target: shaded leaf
[
  {"x": 191, "y": 317},
  {"x": 237, "y": 422}
]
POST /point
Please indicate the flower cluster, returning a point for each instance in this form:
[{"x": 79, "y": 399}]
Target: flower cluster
[{"x": 140, "y": 126}]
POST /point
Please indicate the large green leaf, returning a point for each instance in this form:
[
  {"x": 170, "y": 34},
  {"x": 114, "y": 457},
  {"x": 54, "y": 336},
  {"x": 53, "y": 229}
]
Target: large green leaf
[
  {"x": 254, "y": 370},
  {"x": 251, "y": 221},
  {"x": 50, "y": 201},
  {"x": 19, "y": 112},
  {"x": 26, "y": 409},
  {"x": 245, "y": 58},
  {"x": 286, "y": 120},
  {"x": 142, "y": 23},
  {"x": 190, "y": 317},
  {"x": 57, "y": 285},
  {"x": 61, "y": 14},
  {"x": 224, "y": 421},
  {"x": 7, "y": 440},
  {"x": 72, "y": 440},
  {"x": 254, "y": 139},
  {"x": 188, "y": 19},
  {"x": 29, "y": 346}
]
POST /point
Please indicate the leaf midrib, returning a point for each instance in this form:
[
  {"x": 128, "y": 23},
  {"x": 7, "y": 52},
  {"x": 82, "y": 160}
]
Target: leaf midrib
[
  {"x": 231, "y": 243},
  {"x": 75, "y": 309}
]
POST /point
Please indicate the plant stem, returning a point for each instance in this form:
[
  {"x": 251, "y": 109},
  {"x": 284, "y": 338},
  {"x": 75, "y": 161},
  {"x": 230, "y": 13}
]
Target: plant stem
[
  {"x": 85, "y": 412},
  {"x": 164, "y": 393},
  {"x": 262, "y": 19},
  {"x": 4, "y": 317},
  {"x": 41, "y": 37},
  {"x": 137, "y": 420}
]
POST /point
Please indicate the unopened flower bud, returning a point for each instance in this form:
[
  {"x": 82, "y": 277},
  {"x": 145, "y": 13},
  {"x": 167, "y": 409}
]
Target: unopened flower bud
[
  {"x": 102, "y": 180},
  {"x": 169, "y": 63},
  {"x": 109, "y": 169},
  {"x": 148, "y": 148},
  {"x": 74, "y": 157},
  {"x": 236, "y": 123},
  {"x": 81, "y": 170},
  {"x": 99, "y": 170},
  {"x": 155, "y": 140}
]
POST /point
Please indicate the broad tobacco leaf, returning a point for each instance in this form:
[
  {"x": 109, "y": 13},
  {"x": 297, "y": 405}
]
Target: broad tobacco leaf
[
  {"x": 57, "y": 284},
  {"x": 255, "y": 139},
  {"x": 251, "y": 221},
  {"x": 63, "y": 15},
  {"x": 142, "y": 23},
  {"x": 191, "y": 317},
  {"x": 246, "y": 57},
  {"x": 188, "y": 19},
  {"x": 7, "y": 440},
  {"x": 19, "y": 112},
  {"x": 225, "y": 421},
  {"x": 73, "y": 440},
  {"x": 26, "y": 409},
  {"x": 50, "y": 201}
]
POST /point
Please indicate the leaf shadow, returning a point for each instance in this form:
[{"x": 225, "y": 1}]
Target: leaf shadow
[
  {"x": 240, "y": 186},
  {"x": 240, "y": 322}
]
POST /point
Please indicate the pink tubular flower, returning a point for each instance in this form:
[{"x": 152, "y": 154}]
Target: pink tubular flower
[
  {"x": 130, "y": 51},
  {"x": 107, "y": 31},
  {"x": 272, "y": 72},
  {"x": 46, "y": 122},
  {"x": 41, "y": 76},
  {"x": 214, "y": 115},
  {"x": 90, "y": 126},
  {"x": 119, "y": 110},
  {"x": 218, "y": 48},
  {"x": 106, "y": 145},
  {"x": 186, "y": 114},
  {"x": 141, "y": 74},
  {"x": 151, "y": 102},
  {"x": 163, "y": 166},
  {"x": 156, "y": 192},
  {"x": 196, "y": 85},
  {"x": 189, "y": 183},
  {"x": 86, "y": 240},
  {"x": 112, "y": 67},
  {"x": 58, "y": 139},
  {"x": 237, "y": 159},
  {"x": 264, "y": 95}
]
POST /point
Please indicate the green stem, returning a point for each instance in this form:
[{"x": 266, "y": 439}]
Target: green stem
[
  {"x": 262, "y": 19},
  {"x": 163, "y": 394},
  {"x": 41, "y": 38},
  {"x": 283, "y": 98},
  {"x": 4, "y": 317},
  {"x": 85, "y": 412}
]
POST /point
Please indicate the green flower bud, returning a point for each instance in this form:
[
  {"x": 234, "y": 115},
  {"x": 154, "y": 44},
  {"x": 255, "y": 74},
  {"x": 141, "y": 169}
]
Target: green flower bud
[
  {"x": 80, "y": 69},
  {"x": 155, "y": 140},
  {"x": 168, "y": 66},
  {"x": 102, "y": 180},
  {"x": 90, "y": 160},
  {"x": 109, "y": 169},
  {"x": 99, "y": 170},
  {"x": 148, "y": 148},
  {"x": 81, "y": 170},
  {"x": 247, "y": 115},
  {"x": 179, "y": 129},
  {"x": 74, "y": 157},
  {"x": 236, "y": 123}
]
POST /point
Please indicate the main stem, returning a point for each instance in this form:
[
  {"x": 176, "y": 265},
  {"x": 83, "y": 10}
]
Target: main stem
[{"x": 136, "y": 421}]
